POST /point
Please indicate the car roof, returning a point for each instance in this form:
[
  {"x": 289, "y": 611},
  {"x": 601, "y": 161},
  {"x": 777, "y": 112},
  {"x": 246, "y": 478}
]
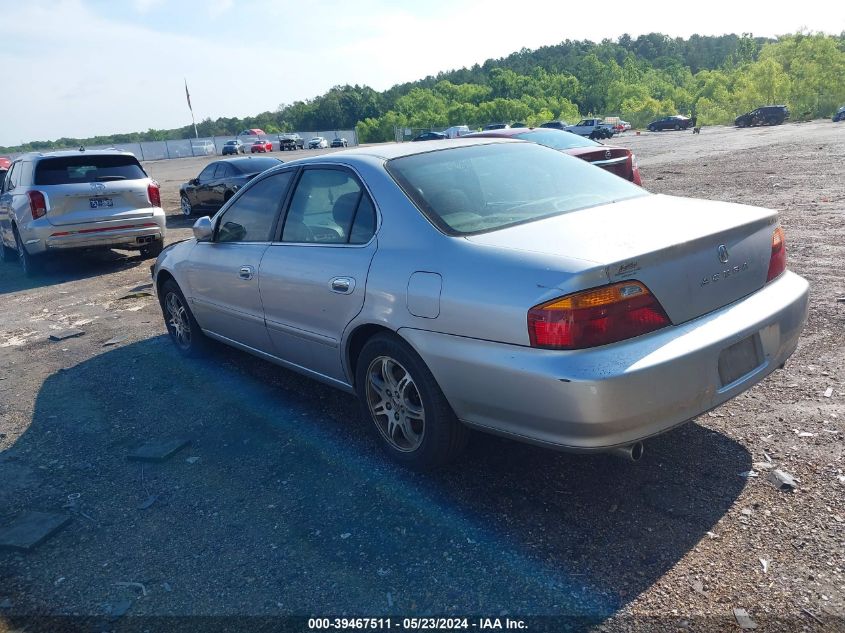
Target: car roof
[{"x": 75, "y": 152}]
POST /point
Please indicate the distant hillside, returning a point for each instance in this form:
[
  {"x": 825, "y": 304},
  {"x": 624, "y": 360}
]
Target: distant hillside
[{"x": 638, "y": 79}]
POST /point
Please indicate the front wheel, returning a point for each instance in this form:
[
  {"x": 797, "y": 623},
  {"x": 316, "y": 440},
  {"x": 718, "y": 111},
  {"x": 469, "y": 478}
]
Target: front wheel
[
  {"x": 185, "y": 205},
  {"x": 400, "y": 396},
  {"x": 181, "y": 325}
]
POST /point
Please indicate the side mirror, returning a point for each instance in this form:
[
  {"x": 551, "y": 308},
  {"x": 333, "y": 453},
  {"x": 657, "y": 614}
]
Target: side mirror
[
  {"x": 194, "y": 181},
  {"x": 203, "y": 229}
]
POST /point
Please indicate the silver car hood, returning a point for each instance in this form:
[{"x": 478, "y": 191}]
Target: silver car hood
[{"x": 670, "y": 244}]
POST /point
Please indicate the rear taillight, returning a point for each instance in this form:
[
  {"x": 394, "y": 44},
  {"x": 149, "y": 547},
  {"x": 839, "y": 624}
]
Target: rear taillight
[
  {"x": 37, "y": 204},
  {"x": 596, "y": 317},
  {"x": 635, "y": 171},
  {"x": 777, "y": 262},
  {"x": 154, "y": 193}
]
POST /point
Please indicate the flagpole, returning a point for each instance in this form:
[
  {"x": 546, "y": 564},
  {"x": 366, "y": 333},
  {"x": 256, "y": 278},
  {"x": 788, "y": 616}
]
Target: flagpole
[{"x": 188, "y": 95}]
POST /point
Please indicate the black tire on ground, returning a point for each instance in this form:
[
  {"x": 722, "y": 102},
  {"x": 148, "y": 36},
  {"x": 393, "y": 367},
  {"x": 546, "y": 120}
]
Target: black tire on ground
[
  {"x": 677, "y": 127},
  {"x": 153, "y": 249},
  {"x": 443, "y": 435},
  {"x": 7, "y": 254},
  {"x": 184, "y": 331},
  {"x": 31, "y": 265}
]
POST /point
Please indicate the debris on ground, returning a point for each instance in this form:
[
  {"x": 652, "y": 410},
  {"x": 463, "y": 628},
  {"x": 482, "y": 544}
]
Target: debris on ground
[
  {"x": 136, "y": 585},
  {"x": 192, "y": 460},
  {"x": 31, "y": 529},
  {"x": 749, "y": 474},
  {"x": 66, "y": 334},
  {"x": 828, "y": 392},
  {"x": 116, "y": 339},
  {"x": 744, "y": 620},
  {"x": 149, "y": 501},
  {"x": 781, "y": 480},
  {"x": 157, "y": 451},
  {"x": 765, "y": 564}
]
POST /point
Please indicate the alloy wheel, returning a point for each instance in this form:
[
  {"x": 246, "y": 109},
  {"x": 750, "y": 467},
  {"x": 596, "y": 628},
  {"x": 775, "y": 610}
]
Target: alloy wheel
[
  {"x": 178, "y": 323},
  {"x": 395, "y": 404}
]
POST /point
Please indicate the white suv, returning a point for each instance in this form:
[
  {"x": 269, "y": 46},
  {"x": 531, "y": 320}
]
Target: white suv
[{"x": 78, "y": 200}]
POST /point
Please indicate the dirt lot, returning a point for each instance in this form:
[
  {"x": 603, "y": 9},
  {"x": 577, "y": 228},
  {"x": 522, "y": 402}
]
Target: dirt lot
[{"x": 283, "y": 504}]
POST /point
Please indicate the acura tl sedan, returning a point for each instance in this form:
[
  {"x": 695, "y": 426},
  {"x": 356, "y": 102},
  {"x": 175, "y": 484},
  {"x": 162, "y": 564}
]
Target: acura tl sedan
[{"x": 493, "y": 284}]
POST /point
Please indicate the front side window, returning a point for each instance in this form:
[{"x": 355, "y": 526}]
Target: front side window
[
  {"x": 250, "y": 218},
  {"x": 207, "y": 173},
  {"x": 329, "y": 206},
  {"x": 480, "y": 188}
]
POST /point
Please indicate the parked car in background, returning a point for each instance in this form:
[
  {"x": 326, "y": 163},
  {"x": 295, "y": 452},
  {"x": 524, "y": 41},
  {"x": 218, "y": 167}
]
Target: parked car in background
[
  {"x": 456, "y": 131},
  {"x": 495, "y": 126},
  {"x": 261, "y": 146},
  {"x": 253, "y": 132},
  {"x": 840, "y": 115},
  {"x": 291, "y": 142},
  {"x": 592, "y": 128},
  {"x": 318, "y": 142},
  {"x": 203, "y": 148},
  {"x": 617, "y": 160},
  {"x": 675, "y": 122},
  {"x": 80, "y": 199},
  {"x": 234, "y": 146},
  {"x": 339, "y": 142},
  {"x": 371, "y": 271},
  {"x": 766, "y": 115},
  {"x": 556, "y": 125},
  {"x": 5, "y": 162},
  {"x": 219, "y": 181},
  {"x": 430, "y": 136}
]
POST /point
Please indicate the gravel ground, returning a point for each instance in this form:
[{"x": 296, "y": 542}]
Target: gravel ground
[{"x": 283, "y": 504}]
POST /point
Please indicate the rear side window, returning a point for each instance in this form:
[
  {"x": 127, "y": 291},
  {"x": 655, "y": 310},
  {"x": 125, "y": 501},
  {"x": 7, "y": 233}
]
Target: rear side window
[{"x": 87, "y": 168}]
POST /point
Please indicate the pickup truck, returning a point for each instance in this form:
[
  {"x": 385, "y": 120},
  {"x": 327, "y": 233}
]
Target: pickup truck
[
  {"x": 291, "y": 141},
  {"x": 593, "y": 128}
]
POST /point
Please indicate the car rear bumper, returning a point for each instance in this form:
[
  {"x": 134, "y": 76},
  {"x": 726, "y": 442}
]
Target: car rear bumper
[
  {"x": 41, "y": 237},
  {"x": 595, "y": 399}
]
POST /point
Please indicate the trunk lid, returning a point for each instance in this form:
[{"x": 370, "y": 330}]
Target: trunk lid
[
  {"x": 81, "y": 203},
  {"x": 616, "y": 160},
  {"x": 83, "y": 187},
  {"x": 672, "y": 245}
]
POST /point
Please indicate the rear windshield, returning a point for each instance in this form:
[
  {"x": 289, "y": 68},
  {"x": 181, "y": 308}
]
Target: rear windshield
[
  {"x": 87, "y": 168},
  {"x": 556, "y": 139},
  {"x": 483, "y": 188}
]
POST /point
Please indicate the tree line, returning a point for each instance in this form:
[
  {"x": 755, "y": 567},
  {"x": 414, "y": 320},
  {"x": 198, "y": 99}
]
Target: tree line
[{"x": 714, "y": 78}]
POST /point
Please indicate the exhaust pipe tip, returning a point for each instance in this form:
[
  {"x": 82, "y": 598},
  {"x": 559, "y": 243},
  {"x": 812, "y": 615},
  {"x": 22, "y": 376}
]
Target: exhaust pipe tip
[{"x": 632, "y": 452}]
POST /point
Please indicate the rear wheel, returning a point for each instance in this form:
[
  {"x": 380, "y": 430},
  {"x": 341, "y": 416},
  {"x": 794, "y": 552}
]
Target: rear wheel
[
  {"x": 400, "y": 396},
  {"x": 6, "y": 253},
  {"x": 677, "y": 127},
  {"x": 31, "y": 265},
  {"x": 181, "y": 325}
]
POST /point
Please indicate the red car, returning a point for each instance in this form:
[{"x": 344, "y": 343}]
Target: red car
[
  {"x": 261, "y": 145},
  {"x": 617, "y": 160}
]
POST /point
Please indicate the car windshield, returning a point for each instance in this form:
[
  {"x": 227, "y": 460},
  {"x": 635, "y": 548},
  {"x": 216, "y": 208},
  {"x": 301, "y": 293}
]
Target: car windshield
[
  {"x": 556, "y": 139},
  {"x": 231, "y": 142},
  {"x": 255, "y": 165},
  {"x": 483, "y": 188},
  {"x": 87, "y": 168}
]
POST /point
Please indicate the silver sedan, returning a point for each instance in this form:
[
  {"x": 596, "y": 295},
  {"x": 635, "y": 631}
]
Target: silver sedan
[{"x": 492, "y": 284}]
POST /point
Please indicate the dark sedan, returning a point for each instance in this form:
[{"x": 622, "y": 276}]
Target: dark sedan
[
  {"x": 616, "y": 160},
  {"x": 219, "y": 181},
  {"x": 676, "y": 122},
  {"x": 430, "y": 136}
]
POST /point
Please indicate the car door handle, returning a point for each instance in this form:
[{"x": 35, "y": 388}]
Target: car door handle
[
  {"x": 246, "y": 272},
  {"x": 342, "y": 285}
]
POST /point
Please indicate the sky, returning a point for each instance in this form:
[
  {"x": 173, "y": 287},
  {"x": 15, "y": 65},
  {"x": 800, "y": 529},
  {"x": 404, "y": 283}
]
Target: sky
[{"x": 79, "y": 68}]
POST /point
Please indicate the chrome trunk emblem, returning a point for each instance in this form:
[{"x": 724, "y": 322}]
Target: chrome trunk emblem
[
  {"x": 723, "y": 254},
  {"x": 98, "y": 187}
]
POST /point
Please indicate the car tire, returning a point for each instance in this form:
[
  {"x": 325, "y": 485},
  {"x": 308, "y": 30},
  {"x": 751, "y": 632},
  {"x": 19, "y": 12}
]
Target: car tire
[
  {"x": 182, "y": 327},
  {"x": 186, "y": 206},
  {"x": 31, "y": 265},
  {"x": 677, "y": 127},
  {"x": 7, "y": 254},
  {"x": 153, "y": 249},
  {"x": 401, "y": 398}
]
